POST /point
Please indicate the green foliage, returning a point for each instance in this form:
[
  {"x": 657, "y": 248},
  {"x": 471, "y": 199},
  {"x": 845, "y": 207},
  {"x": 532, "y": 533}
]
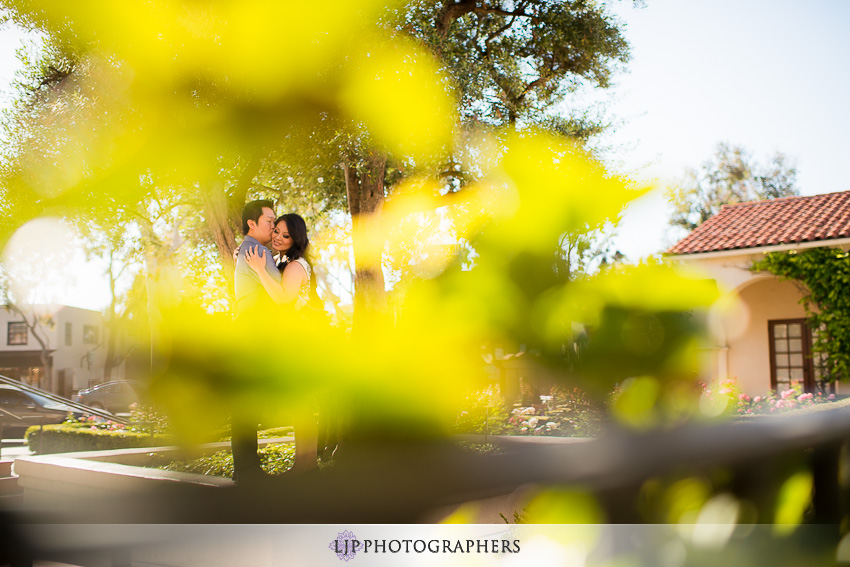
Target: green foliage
[
  {"x": 482, "y": 413},
  {"x": 273, "y": 432},
  {"x": 274, "y": 458},
  {"x": 730, "y": 176},
  {"x": 514, "y": 61},
  {"x": 825, "y": 276},
  {"x": 518, "y": 518},
  {"x": 148, "y": 419},
  {"x": 66, "y": 438}
]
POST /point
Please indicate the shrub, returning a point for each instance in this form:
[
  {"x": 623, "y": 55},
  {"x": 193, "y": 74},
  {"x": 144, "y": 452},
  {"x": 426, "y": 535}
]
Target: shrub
[
  {"x": 275, "y": 459},
  {"x": 147, "y": 419},
  {"x": 482, "y": 412},
  {"x": 71, "y": 437}
]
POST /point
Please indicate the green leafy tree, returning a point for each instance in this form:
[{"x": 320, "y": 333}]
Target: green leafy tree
[
  {"x": 512, "y": 63},
  {"x": 823, "y": 275},
  {"x": 730, "y": 176}
]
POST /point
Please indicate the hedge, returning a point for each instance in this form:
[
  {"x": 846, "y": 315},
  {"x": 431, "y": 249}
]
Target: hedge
[{"x": 64, "y": 438}]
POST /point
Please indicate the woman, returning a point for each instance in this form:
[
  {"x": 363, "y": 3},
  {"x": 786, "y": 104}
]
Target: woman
[{"x": 296, "y": 287}]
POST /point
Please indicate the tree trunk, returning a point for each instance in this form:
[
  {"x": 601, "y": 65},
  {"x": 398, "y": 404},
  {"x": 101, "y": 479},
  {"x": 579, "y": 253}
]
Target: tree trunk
[
  {"x": 220, "y": 222},
  {"x": 109, "y": 362},
  {"x": 224, "y": 215},
  {"x": 365, "y": 189},
  {"x": 111, "y": 327}
]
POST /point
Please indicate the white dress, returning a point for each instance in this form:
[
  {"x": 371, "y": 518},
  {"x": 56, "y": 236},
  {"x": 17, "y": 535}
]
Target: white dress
[{"x": 304, "y": 290}]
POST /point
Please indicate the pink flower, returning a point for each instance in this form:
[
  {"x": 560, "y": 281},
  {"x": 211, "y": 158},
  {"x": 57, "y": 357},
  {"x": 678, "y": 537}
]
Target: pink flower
[
  {"x": 831, "y": 397},
  {"x": 744, "y": 398},
  {"x": 757, "y": 399},
  {"x": 805, "y": 397},
  {"x": 93, "y": 428},
  {"x": 787, "y": 394}
]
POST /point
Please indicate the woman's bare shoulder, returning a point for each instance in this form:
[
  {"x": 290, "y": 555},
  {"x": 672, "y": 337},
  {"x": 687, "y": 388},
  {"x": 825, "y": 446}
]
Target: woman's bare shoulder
[{"x": 302, "y": 264}]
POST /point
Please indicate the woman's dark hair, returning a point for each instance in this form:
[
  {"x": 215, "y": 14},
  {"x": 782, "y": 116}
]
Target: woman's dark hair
[{"x": 297, "y": 229}]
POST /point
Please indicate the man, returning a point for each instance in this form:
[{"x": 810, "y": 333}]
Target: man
[
  {"x": 251, "y": 300},
  {"x": 257, "y": 226}
]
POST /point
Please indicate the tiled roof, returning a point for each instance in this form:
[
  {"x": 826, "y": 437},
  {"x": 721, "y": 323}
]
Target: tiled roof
[{"x": 766, "y": 223}]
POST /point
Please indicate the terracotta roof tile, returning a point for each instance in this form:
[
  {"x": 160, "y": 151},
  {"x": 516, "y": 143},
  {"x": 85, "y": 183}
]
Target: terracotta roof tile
[{"x": 767, "y": 223}]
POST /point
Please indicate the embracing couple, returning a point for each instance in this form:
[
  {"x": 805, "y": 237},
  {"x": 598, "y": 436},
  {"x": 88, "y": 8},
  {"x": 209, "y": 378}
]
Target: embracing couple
[{"x": 260, "y": 284}]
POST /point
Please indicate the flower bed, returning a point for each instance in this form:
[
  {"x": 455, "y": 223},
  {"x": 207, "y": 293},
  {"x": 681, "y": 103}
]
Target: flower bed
[
  {"x": 727, "y": 399},
  {"x": 562, "y": 413}
]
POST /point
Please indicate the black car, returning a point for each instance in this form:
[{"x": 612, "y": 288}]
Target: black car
[
  {"x": 115, "y": 397},
  {"x": 20, "y": 409}
]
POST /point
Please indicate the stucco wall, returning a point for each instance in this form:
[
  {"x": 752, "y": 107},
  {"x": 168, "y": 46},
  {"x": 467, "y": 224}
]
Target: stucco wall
[{"x": 749, "y": 351}]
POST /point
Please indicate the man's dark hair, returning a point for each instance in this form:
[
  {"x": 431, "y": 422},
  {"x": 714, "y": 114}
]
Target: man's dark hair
[{"x": 253, "y": 211}]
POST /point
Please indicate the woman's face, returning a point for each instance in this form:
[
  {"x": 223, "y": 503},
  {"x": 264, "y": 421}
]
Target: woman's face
[{"x": 281, "y": 241}]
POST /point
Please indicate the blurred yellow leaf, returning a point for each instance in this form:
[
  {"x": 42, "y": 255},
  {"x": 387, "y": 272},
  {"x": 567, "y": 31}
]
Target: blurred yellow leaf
[
  {"x": 792, "y": 501},
  {"x": 395, "y": 88},
  {"x": 635, "y": 402},
  {"x": 565, "y": 506}
]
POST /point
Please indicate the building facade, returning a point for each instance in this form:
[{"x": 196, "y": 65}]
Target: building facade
[
  {"x": 759, "y": 329},
  {"x": 74, "y": 347}
]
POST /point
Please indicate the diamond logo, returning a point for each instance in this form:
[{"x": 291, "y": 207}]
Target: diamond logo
[{"x": 345, "y": 545}]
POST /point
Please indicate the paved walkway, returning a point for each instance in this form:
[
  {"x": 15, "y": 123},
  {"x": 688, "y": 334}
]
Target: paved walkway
[{"x": 12, "y": 448}]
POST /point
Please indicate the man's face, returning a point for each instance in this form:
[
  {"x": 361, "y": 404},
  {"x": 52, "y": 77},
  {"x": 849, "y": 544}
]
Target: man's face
[{"x": 262, "y": 229}]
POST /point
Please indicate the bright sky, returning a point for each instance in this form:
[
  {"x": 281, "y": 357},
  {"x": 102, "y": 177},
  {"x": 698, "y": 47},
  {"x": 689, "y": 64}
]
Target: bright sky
[{"x": 770, "y": 75}]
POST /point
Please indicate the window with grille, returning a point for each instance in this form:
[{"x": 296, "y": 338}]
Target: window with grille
[
  {"x": 91, "y": 334},
  {"x": 791, "y": 355},
  {"x": 17, "y": 333}
]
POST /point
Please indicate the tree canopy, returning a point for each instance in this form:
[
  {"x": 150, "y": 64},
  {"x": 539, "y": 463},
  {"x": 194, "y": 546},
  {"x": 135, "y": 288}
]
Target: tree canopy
[{"x": 731, "y": 175}]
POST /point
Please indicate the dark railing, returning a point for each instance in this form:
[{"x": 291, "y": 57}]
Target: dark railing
[{"x": 61, "y": 400}]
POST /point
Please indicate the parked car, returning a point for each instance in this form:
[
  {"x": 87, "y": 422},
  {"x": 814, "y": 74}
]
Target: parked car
[
  {"x": 31, "y": 408},
  {"x": 115, "y": 397}
]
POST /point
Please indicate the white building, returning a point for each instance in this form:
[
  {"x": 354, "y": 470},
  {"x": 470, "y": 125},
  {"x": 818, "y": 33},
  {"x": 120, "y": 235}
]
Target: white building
[{"x": 75, "y": 341}]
